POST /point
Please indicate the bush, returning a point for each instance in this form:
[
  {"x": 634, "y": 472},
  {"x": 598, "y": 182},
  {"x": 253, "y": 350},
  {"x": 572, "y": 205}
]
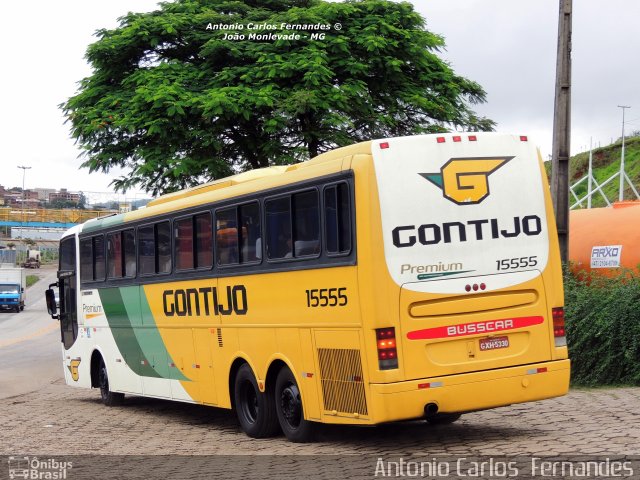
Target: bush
[{"x": 603, "y": 328}]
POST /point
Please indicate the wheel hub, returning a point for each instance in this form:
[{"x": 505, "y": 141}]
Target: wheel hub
[{"x": 291, "y": 405}]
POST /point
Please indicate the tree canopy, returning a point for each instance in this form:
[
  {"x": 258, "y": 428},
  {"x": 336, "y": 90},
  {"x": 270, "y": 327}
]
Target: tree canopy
[{"x": 176, "y": 100}]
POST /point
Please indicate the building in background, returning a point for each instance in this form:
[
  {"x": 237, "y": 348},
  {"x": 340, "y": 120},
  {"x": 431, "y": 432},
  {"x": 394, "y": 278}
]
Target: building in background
[
  {"x": 43, "y": 193},
  {"x": 64, "y": 195}
]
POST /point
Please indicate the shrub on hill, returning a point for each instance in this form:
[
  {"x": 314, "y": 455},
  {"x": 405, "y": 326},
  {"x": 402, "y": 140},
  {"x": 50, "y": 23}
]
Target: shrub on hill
[{"x": 603, "y": 328}]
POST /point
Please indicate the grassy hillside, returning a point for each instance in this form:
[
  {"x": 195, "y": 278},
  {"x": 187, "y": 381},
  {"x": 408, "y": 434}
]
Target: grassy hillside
[{"x": 606, "y": 161}]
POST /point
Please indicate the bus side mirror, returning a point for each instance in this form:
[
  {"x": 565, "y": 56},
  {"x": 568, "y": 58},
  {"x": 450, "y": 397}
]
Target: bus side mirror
[{"x": 50, "y": 297}]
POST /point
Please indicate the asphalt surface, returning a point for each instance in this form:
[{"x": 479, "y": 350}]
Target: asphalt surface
[{"x": 30, "y": 342}]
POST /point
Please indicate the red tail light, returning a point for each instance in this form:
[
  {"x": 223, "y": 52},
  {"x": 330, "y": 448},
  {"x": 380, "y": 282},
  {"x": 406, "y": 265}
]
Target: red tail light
[
  {"x": 386, "y": 344},
  {"x": 559, "y": 332}
]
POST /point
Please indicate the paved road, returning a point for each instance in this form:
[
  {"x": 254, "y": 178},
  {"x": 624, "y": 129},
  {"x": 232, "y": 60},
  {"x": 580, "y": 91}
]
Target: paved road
[
  {"x": 30, "y": 342},
  {"x": 584, "y": 422}
]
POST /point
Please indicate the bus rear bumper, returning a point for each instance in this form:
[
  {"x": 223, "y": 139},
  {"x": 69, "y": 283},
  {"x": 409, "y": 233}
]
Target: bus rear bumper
[{"x": 469, "y": 391}]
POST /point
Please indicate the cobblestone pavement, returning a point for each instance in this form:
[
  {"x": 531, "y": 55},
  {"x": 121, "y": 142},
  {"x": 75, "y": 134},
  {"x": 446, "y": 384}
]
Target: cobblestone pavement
[{"x": 61, "y": 420}]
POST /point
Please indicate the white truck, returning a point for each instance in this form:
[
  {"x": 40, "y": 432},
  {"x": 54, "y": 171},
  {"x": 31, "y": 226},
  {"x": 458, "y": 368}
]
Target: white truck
[
  {"x": 33, "y": 259},
  {"x": 13, "y": 282}
]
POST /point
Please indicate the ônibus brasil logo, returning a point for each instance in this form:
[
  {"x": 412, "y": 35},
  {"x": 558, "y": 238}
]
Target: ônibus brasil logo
[{"x": 465, "y": 181}]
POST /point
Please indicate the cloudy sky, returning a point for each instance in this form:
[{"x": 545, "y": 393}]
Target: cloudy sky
[{"x": 508, "y": 46}]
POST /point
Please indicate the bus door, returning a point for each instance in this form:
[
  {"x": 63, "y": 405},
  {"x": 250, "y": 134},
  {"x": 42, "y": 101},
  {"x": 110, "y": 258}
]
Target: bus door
[{"x": 68, "y": 292}]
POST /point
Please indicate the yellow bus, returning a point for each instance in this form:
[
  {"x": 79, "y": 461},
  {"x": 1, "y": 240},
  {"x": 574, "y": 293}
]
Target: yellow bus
[{"x": 403, "y": 278}]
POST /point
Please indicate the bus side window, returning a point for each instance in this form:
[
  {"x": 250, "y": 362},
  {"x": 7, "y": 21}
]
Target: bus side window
[
  {"x": 92, "y": 259},
  {"x": 227, "y": 251},
  {"x": 154, "y": 248},
  {"x": 121, "y": 254},
  {"x": 337, "y": 214},
  {"x": 184, "y": 243},
  {"x": 278, "y": 217},
  {"x": 250, "y": 233},
  {"x": 163, "y": 247},
  {"x": 203, "y": 240},
  {"x": 306, "y": 224},
  {"x": 98, "y": 257},
  {"x": 86, "y": 260},
  {"x": 114, "y": 255},
  {"x": 146, "y": 250},
  {"x": 129, "y": 250}
]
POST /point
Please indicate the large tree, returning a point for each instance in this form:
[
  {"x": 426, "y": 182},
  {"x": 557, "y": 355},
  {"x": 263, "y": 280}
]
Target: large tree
[{"x": 174, "y": 102}]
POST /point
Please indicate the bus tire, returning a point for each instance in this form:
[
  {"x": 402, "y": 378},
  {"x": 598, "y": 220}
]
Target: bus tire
[
  {"x": 255, "y": 410},
  {"x": 290, "y": 410},
  {"x": 443, "y": 418},
  {"x": 109, "y": 398}
]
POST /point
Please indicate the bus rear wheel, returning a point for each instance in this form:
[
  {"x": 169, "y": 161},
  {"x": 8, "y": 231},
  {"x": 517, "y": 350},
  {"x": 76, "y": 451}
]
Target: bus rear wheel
[
  {"x": 289, "y": 409},
  {"x": 109, "y": 398},
  {"x": 255, "y": 410}
]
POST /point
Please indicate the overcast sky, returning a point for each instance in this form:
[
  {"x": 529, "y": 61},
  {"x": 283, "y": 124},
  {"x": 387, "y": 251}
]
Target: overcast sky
[{"x": 508, "y": 46}]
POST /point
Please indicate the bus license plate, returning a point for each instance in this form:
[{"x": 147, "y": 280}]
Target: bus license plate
[{"x": 494, "y": 343}]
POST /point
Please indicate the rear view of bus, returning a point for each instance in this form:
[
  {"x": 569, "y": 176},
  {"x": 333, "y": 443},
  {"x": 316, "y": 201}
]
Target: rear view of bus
[{"x": 473, "y": 265}]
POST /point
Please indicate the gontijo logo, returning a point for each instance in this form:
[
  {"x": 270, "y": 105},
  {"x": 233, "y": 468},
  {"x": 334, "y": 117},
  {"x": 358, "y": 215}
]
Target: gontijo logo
[{"x": 465, "y": 181}]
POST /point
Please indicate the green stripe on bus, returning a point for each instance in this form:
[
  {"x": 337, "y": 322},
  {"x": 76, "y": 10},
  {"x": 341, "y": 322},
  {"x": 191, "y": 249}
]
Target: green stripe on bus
[
  {"x": 124, "y": 334},
  {"x": 153, "y": 340}
]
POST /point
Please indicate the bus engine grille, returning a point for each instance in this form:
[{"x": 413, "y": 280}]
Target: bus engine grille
[{"x": 342, "y": 380}]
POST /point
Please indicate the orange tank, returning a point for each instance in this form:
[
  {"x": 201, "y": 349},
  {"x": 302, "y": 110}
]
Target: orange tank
[{"x": 605, "y": 239}]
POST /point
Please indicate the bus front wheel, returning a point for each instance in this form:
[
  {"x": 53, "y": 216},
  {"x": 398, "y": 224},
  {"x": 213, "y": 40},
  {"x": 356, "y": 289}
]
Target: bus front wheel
[
  {"x": 109, "y": 398},
  {"x": 255, "y": 410},
  {"x": 289, "y": 409}
]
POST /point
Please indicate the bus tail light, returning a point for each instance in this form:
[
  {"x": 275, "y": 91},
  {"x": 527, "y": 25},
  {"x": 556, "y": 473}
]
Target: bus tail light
[
  {"x": 559, "y": 332},
  {"x": 387, "y": 351}
]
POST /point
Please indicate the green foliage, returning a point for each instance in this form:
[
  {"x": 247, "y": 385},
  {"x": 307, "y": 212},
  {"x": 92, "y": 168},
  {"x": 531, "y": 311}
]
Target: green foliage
[
  {"x": 31, "y": 279},
  {"x": 176, "y": 104},
  {"x": 603, "y": 329},
  {"x": 606, "y": 162},
  {"x": 62, "y": 204}
]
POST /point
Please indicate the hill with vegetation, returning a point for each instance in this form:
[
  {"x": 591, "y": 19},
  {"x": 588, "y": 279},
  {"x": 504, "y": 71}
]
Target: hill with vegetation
[{"x": 606, "y": 162}]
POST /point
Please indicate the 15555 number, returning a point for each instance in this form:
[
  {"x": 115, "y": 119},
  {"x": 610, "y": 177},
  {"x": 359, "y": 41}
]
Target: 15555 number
[
  {"x": 513, "y": 263},
  {"x": 327, "y": 297}
]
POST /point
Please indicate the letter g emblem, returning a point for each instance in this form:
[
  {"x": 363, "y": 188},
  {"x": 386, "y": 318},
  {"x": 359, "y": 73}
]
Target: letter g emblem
[{"x": 465, "y": 181}]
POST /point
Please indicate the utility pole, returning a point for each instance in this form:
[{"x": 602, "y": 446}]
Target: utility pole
[
  {"x": 24, "y": 171},
  {"x": 621, "y": 194},
  {"x": 562, "y": 129}
]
